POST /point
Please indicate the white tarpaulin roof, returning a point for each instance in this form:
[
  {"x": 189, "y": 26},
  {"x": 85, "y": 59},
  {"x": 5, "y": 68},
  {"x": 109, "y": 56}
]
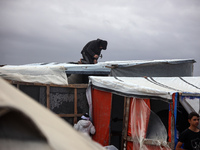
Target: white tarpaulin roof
[
  {"x": 55, "y": 73},
  {"x": 162, "y": 87},
  {"x": 59, "y": 134},
  {"x": 35, "y": 74}
]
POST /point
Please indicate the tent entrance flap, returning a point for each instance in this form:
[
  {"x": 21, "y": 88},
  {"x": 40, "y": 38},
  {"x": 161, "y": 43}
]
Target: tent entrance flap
[
  {"x": 101, "y": 102},
  {"x": 116, "y": 121}
]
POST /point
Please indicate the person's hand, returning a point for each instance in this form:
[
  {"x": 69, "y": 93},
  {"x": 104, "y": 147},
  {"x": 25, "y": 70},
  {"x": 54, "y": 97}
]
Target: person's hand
[
  {"x": 96, "y": 56},
  {"x": 95, "y": 61}
]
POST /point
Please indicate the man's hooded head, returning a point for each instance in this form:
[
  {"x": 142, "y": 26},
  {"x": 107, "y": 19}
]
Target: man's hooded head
[{"x": 103, "y": 44}]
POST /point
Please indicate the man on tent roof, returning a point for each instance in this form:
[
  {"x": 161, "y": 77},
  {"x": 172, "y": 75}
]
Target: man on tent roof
[{"x": 92, "y": 51}]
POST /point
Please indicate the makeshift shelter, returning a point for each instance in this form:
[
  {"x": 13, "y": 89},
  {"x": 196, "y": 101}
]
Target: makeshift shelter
[
  {"x": 25, "y": 124},
  {"x": 60, "y": 73},
  {"x": 61, "y": 87},
  {"x": 141, "y": 112}
]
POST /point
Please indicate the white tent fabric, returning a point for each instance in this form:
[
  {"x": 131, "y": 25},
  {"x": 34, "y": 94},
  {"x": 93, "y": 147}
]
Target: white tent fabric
[
  {"x": 59, "y": 134},
  {"x": 193, "y": 103},
  {"x": 162, "y": 87},
  {"x": 35, "y": 74},
  {"x": 55, "y": 73}
]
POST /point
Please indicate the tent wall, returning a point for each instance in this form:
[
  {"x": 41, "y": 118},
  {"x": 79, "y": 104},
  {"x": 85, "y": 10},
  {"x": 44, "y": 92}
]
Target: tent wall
[
  {"x": 102, "y": 102},
  {"x": 155, "y": 70},
  {"x": 136, "y": 122},
  {"x": 69, "y": 101}
]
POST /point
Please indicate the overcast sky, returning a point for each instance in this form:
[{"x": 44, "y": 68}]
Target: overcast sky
[{"x": 35, "y": 31}]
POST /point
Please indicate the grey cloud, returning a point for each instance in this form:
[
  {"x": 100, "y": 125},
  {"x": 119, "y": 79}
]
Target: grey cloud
[{"x": 55, "y": 31}]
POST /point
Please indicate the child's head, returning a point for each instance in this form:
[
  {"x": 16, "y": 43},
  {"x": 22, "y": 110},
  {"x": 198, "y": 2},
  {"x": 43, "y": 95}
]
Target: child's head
[
  {"x": 192, "y": 114},
  {"x": 85, "y": 116},
  {"x": 193, "y": 119}
]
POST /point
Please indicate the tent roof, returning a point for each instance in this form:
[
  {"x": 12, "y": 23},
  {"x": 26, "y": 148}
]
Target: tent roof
[
  {"x": 55, "y": 73},
  {"x": 102, "y": 67},
  {"x": 148, "y": 62},
  {"x": 160, "y": 87},
  {"x": 59, "y": 134}
]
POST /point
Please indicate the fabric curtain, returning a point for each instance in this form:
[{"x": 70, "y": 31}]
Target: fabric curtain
[{"x": 101, "y": 102}]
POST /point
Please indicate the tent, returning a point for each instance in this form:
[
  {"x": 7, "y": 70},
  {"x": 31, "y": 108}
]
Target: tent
[
  {"x": 68, "y": 73},
  {"x": 141, "y": 112},
  {"x": 61, "y": 86},
  {"x": 25, "y": 124}
]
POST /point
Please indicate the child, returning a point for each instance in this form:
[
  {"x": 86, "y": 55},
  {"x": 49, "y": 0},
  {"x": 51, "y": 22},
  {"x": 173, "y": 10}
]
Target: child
[
  {"x": 191, "y": 136},
  {"x": 85, "y": 125}
]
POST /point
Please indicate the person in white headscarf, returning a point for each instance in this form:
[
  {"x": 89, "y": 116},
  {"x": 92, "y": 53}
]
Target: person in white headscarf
[{"x": 85, "y": 125}]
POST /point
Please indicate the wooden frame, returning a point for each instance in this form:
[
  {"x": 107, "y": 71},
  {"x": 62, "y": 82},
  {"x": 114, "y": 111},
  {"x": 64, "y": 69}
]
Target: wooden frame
[{"x": 75, "y": 115}]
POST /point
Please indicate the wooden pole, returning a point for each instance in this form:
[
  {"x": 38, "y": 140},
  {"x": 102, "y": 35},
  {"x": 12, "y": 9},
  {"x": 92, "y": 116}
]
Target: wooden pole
[
  {"x": 75, "y": 105},
  {"x": 48, "y": 96},
  {"x": 125, "y": 122}
]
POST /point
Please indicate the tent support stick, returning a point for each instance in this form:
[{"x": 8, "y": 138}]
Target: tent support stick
[
  {"x": 48, "y": 96},
  {"x": 75, "y": 105},
  {"x": 172, "y": 126},
  {"x": 125, "y": 124}
]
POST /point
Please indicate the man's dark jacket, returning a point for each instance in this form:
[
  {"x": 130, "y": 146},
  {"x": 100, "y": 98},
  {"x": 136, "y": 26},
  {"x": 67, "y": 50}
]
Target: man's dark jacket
[{"x": 92, "y": 48}]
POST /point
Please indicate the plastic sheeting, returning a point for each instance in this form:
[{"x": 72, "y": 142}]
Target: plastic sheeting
[
  {"x": 139, "y": 116},
  {"x": 53, "y": 73},
  {"x": 35, "y": 74},
  {"x": 159, "y": 68},
  {"x": 162, "y": 87},
  {"x": 145, "y": 125}
]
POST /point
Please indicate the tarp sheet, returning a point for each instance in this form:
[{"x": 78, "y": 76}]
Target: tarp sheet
[
  {"x": 35, "y": 74},
  {"x": 162, "y": 87},
  {"x": 156, "y": 68},
  {"x": 145, "y": 124},
  {"x": 139, "y": 115},
  {"x": 55, "y": 73},
  {"x": 101, "y": 102}
]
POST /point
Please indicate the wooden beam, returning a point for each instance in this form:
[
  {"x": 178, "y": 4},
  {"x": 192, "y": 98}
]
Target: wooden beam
[
  {"x": 70, "y": 115},
  {"x": 48, "y": 96},
  {"x": 75, "y": 105},
  {"x": 148, "y": 141},
  {"x": 54, "y": 85},
  {"x": 125, "y": 122},
  {"x": 48, "y": 86}
]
